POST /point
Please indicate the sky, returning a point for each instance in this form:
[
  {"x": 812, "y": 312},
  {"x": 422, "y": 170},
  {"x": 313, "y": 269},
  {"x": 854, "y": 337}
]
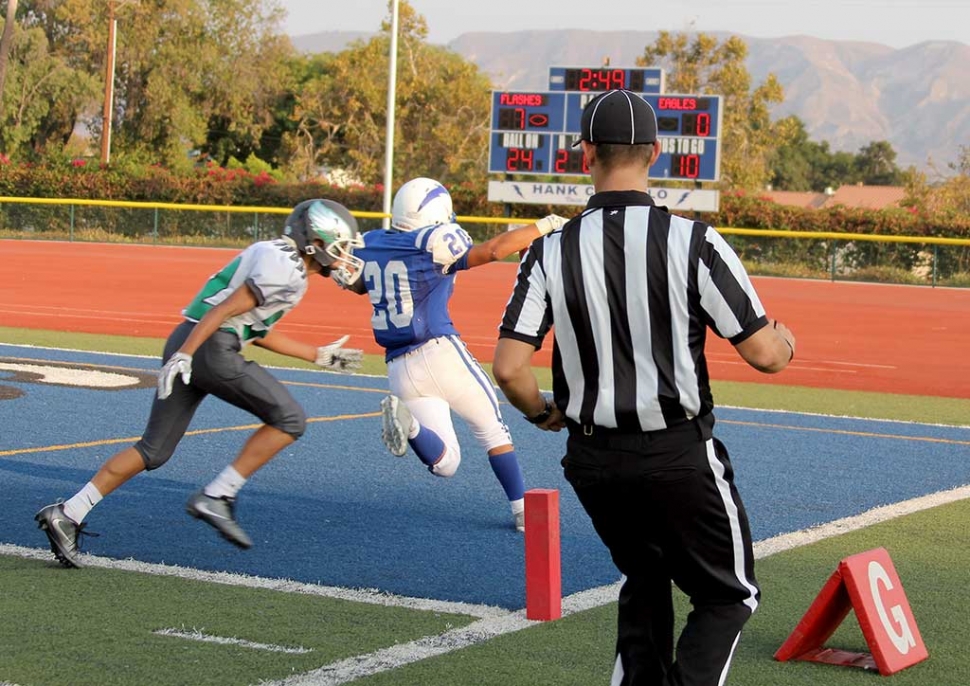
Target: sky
[{"x": 896, "y": 23}]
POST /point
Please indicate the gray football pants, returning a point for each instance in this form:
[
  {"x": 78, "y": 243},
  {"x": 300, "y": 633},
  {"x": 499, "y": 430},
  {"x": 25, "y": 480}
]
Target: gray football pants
[{"x": 218, "y": 368}]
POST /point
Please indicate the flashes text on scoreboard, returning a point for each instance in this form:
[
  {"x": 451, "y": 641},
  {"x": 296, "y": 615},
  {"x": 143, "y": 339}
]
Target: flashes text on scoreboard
[{"x": 533, "y": 132}]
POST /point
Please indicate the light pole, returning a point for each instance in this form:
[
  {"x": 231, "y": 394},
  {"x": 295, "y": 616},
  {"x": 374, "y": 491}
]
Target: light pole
[
  {"x": 109, "y": 82},
  {"x": 389, "y": 135}
]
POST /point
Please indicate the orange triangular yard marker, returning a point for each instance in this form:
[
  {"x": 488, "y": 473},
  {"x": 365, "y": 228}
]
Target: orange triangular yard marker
[{"x": 868, "y": 584}]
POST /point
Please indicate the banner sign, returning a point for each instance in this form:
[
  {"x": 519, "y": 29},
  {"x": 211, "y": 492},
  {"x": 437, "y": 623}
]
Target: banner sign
[{"x": 535, "y": 193}]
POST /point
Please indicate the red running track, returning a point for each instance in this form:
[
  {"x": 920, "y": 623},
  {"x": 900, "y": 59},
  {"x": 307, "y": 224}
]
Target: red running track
[{"x": 872, "y": 337}]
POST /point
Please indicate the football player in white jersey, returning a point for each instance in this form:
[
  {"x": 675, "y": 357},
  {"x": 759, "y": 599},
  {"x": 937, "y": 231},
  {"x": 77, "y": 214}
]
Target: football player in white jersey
[
  {"x": 409, "y": 274},
  {"x": 238, "y": 305}
]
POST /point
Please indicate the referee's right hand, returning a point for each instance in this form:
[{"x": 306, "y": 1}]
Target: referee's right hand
[{"x": 556, "y": 421}]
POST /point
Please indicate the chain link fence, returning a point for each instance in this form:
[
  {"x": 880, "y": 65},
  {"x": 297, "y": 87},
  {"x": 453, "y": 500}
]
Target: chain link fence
[{"x": 851, "y": 257}]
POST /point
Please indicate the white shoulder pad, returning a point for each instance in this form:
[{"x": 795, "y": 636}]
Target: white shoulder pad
[
  {"x": 276, "y": 269},
  {"x": 448, "y": 243}
]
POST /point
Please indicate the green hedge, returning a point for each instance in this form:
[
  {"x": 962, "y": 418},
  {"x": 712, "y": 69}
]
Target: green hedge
[{"x": 219, "y": 186}]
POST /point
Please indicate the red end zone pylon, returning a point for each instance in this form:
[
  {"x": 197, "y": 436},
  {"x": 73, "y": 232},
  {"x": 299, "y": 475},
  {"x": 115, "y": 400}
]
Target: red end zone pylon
[
  {"x": 543, "y": 572},
  {"x": 867, "y": 583}
]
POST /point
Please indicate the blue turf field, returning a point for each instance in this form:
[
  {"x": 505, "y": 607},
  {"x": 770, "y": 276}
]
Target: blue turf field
[{"x": 337, "y": 509}]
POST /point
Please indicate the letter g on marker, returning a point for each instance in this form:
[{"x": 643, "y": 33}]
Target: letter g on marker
[{"x": 899, "y": 632}]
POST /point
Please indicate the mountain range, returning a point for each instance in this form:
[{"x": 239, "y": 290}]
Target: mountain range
[{"x": 847, "y": 93}]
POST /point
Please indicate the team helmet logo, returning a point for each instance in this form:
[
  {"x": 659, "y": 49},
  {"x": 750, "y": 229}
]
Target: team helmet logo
[
  {"x": 435, "y": 192},
  {"x": 325, "y": 223}
]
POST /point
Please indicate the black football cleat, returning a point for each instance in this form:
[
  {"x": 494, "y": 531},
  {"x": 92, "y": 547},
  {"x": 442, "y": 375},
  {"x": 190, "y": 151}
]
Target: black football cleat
[
  {"x": 62, "y": 533},
  {"x": 219, "y": 513}
]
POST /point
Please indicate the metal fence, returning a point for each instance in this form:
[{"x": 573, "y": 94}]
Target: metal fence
[{"x": 836, "y": 256}]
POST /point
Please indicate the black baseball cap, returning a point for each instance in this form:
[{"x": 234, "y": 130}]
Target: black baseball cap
[{"x": 618, "y": 116}]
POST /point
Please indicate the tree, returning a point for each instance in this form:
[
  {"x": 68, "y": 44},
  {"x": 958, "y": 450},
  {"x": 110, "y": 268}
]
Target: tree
[
  {"x": 183, "y": 67},
  {"x": 802, "y": 164},
  {"x": 6, "y": 42},
  {"x": 949, "y": 197},
  {"x": 793, "y": 165},
  {"x": 441, "y": 116},
  {"x": 39, "y": 88},
  {"x": 962, "y": 164},
  {"x": 876, "y": 164},
  {"x": 701, "y": 65}
]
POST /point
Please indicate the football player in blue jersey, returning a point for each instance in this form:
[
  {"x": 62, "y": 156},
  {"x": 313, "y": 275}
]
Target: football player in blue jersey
[
  {"x": 238, "y": 305},
  {"x": 409, "y": 274}
]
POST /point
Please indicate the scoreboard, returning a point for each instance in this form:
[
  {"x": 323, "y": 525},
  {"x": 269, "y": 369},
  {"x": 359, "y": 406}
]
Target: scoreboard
[{"x": 532, "y": 132}]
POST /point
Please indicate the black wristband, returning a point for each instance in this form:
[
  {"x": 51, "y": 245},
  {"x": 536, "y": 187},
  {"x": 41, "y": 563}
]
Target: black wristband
[
  {"x": 542, "y": 416},
  {"x": 791, "y": 348}
]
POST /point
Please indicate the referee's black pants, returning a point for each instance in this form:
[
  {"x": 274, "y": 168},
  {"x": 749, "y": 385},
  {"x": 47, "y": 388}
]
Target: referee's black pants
[{"x": 665, "y": 505}]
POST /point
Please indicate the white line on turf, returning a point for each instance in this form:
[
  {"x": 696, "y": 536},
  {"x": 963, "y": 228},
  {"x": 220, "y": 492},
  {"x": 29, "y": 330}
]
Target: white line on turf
[
  {"x": 353, "y": 668},
  {"x": 796, "y": 539},
  {"x": 156, "y": 357},
  {"x": 370, "y": 596},
  {"x": 801, "y": 413},
  {"x": 197, "y": 635}
]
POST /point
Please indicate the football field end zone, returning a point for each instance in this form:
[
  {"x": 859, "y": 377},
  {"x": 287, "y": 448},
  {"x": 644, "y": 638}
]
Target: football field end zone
[{"x": 492, "y": 622}]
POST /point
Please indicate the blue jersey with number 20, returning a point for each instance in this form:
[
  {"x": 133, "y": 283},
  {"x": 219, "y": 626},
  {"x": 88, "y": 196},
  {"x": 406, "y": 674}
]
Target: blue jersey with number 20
[{"x": 409, "y": 277}]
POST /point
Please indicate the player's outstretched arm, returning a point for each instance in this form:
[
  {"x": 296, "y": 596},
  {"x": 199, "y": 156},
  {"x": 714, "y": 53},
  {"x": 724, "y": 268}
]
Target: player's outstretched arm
[
  {"x": 511, "y": 242},
  {"x": 284, "y": 345},
  {"x": 332, "y": 356}
]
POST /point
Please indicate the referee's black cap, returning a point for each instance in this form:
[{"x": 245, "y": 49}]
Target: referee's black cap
[{"x": 618, "y": 116}]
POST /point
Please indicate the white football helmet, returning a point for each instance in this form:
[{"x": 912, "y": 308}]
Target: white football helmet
[
  {"x": 419, "y": 203},
  {"x": 332, "y": 223}
]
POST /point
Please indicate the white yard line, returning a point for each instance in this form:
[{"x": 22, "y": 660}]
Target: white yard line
[
  {"x": 370, "y": 596},
  {"x": 796, "y": 539},
  {"x": 842, "y": 416},
  {"x": 198, "y": 635}
]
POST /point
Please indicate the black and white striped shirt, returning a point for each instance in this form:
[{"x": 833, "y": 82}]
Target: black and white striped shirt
[{"x": 631, "y": 290}]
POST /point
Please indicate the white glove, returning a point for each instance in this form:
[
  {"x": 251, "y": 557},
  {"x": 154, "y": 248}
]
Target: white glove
[
  {"x": 337, "y": 358},
  {"x": 179, "y": 363},
  {"x": 547, "y": 225}
]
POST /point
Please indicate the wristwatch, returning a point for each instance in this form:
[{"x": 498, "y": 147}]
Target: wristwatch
[{"x": 542, "y": 416}]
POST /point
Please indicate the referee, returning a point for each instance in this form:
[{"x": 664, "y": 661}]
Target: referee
[{"x": 631, "y": 291}]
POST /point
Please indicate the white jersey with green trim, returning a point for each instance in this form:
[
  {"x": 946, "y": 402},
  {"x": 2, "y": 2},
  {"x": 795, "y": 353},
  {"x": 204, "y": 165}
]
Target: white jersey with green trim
[{"x": 273, "y": 271}]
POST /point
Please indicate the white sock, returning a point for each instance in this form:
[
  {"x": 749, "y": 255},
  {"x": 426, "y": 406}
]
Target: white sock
[
  {"x": 517, "y": 505},
  {"x": 415, "y": 428},
  {"x": 78, "y": 506},
  {"x": 226, "y": 485}
]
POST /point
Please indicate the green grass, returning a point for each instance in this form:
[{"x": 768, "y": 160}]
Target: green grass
[
  {"x": 101, "y": 620},
  {"x": 101, "y": 623}
]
